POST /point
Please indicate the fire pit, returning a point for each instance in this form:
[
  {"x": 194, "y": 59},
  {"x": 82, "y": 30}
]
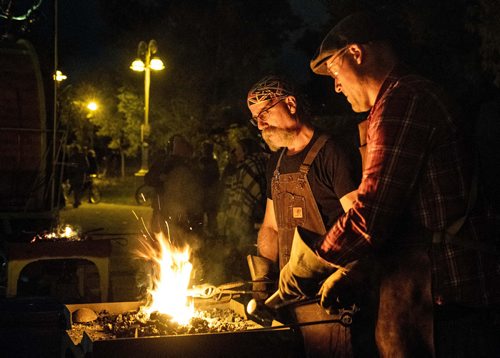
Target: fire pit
[
  {"x": 64, "y": 243},
  {"x": 233, "y": 336}
]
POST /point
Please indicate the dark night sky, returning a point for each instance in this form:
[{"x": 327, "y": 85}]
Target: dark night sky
[
  {"x": 86, "y": 42},
  {"x": 81, "y": 31}
]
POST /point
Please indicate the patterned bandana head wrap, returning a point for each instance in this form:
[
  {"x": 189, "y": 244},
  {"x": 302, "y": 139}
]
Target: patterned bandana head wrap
[{"x": 269, "y": 87}]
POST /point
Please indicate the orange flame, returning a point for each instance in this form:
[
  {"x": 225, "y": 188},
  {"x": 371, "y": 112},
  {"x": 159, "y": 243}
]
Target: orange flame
[{"x": 169, "y": 293}]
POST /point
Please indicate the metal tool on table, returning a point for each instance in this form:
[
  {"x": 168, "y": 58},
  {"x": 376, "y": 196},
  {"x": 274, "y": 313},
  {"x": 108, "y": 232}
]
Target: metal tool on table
[
  {"x": 234, "y": 288},
  {"x": 217, "y": 292}
]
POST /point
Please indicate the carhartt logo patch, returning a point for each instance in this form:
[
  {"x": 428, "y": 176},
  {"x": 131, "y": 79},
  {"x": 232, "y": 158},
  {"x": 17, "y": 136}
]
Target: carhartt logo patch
[{"x": 297, "y": 213}]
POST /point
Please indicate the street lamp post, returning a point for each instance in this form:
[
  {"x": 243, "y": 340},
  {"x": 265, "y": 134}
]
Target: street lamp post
[
  {"x": 58, "y": 77},
  {"x": 146, "y": 51},
  {"x": 92, "y": 107}
]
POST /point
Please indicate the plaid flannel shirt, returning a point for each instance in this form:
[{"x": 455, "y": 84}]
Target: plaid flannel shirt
[{"x": 417, "y": 173}]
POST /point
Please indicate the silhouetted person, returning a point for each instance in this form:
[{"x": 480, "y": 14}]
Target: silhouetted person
[
  {"x": 77, "y": 171},
  {"x": 246, "y": 195},
  {"x": 92, "y": 161},
  {"x": 245, "y": 205},
  {"x": 209, "y": 171},
  {"x": 179, "y": 192},
  {"x": 226, "y": 181}
]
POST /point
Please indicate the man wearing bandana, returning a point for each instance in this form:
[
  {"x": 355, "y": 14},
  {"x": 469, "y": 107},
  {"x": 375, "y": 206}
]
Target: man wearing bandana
[{"x": 311, "y": 181}]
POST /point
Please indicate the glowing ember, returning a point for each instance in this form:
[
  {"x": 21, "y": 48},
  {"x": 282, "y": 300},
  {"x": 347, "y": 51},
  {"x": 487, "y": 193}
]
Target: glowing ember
[
  {"x": 65, "y": 232},
  {"x": 171, "y": 273}
]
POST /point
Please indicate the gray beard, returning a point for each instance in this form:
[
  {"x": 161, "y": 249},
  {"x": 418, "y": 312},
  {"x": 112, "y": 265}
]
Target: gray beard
[{"x": 280, "y": 137}]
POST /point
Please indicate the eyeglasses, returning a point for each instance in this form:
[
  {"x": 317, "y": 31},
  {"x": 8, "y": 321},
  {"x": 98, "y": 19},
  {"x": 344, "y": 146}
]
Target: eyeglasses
[
  {"x": 335, "y": 72},
  {"x": 263, "y": 115}
]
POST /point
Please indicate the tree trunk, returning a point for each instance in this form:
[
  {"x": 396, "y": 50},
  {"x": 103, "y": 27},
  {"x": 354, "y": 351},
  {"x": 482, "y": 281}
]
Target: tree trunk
[{"x": 122, "y": 162}]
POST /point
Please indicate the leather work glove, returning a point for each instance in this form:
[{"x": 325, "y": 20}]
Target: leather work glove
[
  {"x": 262, "y": 269},
  {"x": 302, "y": 275},
  {"x": 353, "y": 284}
]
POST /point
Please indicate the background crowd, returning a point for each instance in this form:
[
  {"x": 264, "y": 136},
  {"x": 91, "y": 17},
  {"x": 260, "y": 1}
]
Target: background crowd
[{"x": 215, "y": 208}]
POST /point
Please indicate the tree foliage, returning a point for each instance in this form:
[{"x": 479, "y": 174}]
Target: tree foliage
[
  {"x": 75, "y": 117},
  {"x": 127, "y": 126},
  {"x": 213, "y": 51},
  {"x": 116, "y": 123}
]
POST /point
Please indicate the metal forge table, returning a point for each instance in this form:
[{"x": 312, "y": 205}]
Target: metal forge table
[
  {"x": 273, "y": 341},
  {"x": 19, "y": 255}
]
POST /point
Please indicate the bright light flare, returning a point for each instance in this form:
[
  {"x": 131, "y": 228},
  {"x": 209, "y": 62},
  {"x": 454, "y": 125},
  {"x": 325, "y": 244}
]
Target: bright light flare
[
  {"x": 92, "y": 106},
  {"x": 156, "y": 64},
  {"x": 68, "y": 231},
  {"x": 169, "y": 293},
  {"x": 59, "y": 76},
  {"x": 138, "y": 65}
]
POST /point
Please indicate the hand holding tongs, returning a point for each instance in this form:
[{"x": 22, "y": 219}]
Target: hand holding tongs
[{"x": 342, "y": 315}]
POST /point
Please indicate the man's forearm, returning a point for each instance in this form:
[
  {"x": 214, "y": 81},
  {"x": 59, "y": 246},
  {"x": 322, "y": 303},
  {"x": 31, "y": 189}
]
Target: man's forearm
[
  {"x": 346, "y": 241},
  {"x": 267, "y": 243}
]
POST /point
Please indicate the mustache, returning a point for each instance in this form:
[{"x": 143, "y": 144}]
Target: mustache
[{"x": 272, "y": 129}]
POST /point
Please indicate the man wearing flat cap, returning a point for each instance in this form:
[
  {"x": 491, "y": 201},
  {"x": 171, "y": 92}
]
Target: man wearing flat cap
[{"x": 418, "y": 211}]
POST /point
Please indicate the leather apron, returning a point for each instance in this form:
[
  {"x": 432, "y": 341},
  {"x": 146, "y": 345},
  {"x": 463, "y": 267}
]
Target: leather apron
[
  {"x": 294, "y": 205},
  {"x": 404, "y": 325}
]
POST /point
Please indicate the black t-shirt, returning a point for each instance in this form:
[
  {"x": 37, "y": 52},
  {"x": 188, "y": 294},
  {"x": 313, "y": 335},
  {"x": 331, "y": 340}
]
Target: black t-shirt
[{"x": 335, "y": 172}]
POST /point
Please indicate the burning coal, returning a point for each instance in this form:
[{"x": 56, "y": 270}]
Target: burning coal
[
  {"x": 61, "y": 233},
  {"x": 138, "y": 324}
]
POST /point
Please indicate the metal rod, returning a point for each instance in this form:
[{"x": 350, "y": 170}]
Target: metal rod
[{"x": 342, "y": 320}]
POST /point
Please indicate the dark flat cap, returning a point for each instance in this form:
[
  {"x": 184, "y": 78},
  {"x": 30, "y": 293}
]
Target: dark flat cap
[{"x": 357, "y": 28}]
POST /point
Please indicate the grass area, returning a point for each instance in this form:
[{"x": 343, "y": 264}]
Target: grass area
[{"x": 119, "y": 190}]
